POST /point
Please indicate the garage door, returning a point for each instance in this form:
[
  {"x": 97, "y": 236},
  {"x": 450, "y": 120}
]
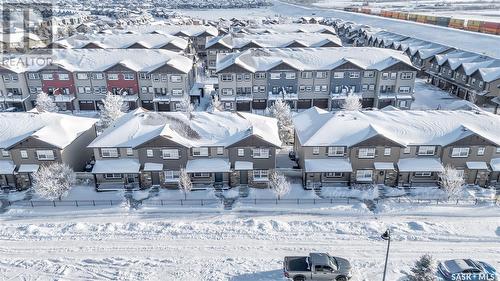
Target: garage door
[
  {"x": 367, "y": 103},
  {"x": 86, "y": 105},
  {"x": 321, "y": 103},
  {"x": 303, "y": 104},
  {"x": 149, "y": 105},
  {"x": 163, "y": 106},
  {"x": 259, "y": 104},
  {"x": 243, "y": 106}
]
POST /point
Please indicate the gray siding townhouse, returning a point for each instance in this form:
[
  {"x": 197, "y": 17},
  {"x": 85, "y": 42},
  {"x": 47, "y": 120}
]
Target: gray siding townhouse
[
  {"x": 219, "y": 149},
  {"x": 32, "y": 139},
  {"x": 396, "y": 148},
  {"x": 13, "y": 89},
  {"x": 322, "y": 77},
  {"x": 123, "y": 41},
  {"x": 240, "y": 42},
  {"x": 78, "y": 79}
]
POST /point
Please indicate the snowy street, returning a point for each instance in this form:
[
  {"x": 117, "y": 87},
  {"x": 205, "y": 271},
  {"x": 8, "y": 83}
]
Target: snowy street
[{"x": 118, "y": 244}]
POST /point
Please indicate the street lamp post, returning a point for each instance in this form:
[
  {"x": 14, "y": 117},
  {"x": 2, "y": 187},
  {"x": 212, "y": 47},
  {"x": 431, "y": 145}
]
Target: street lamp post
[{"x": 386, "y": 236}]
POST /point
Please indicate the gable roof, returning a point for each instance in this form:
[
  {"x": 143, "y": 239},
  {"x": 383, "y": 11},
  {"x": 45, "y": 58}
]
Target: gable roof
[
  {"x": 315, "y": 127},
  {"x": 203, "y": 129},
  {"x": 282, "y": 40},
  {"x": 56, "y": 129}
]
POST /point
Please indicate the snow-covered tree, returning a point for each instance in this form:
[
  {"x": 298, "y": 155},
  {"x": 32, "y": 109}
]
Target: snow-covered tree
[
  {"x": 185, "y": 184},
  {"x": 215, "y": 104},
  {"x": 187, "y": 106},
  {"x": 451, "y": 181},
  {"x": 352, "y": 103},
  {"x": 424, "y": 269},
  {"x": 279, "y": 184},
  {"x": 472, "y": 97},
  {"x": 281, "y": 111},
  {"x": 53, "y": 181},
  {"x": 112, "y": 108},
  {"x": 45, "y": 103}
]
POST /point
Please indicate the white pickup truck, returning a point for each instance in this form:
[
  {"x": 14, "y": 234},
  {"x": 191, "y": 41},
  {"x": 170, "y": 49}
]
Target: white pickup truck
[{"x": 317, "y": 266}]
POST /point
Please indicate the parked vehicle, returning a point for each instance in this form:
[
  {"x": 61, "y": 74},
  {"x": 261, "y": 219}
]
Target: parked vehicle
[
  {"x": 317, "y": 266},
  {"x": 467, "y": 269}
]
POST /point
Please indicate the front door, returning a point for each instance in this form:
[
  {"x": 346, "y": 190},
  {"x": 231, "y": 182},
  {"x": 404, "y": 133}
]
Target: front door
[
  {"x": 155, "y": 178},
  {"x": 243, "y": 177},
  {"x": 218, "y": 177}
]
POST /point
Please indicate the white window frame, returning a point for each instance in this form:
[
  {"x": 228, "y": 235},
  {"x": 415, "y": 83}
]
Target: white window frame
[
  {"x": 175, "y": 78},
  {"x": 338, "y": 75},
  {"x": 426, "y": 150},
  {"x": 260, "y": 153},
  {"x": 130, "y": 151},
  {"x": 367, "y": 152},
  {"x": 365, "y": 175},
  {"x": 241, "y": 152},
  {"x": 290, "y": 75},
  {"x": 481, "y": 151},
  {"x": 334, "y": 174},
  {"x": 150, "y": 153},
  {"x": 201, "y": 175},
  {"x": 315, "y": 150},
  {"x": 406, "y": 76},
  {"x": 422, "y": 174},
  {"x": 275, "y": 75},
  {"x": 220, "y": 150},
  {"x": 170, "y": 153},
  {"x": 109, "y": 152},
  {"x": 63, "y": 76},
  {"x": 112, "y": 76},
  {"x": 335, "y": 151},
  {"x": 45, "y": 155},
  {"x": 407, "y": 150},
  {"x": 171, "y": 175},
  {"x": 5, "y": 153},
  {"x": 24, "y": 154},
  {"x": 387, "y": 151},
  {"x": 354, "y": 75},
  {"x": 200, "y": 151},
  {"x": 460, "y": 152},
  {"x": 47, "y": 76},
  {"x": 113, "y": 176},
  {"x": 128, "y": 76},
  {"x": 260, "y": 175},
  {"x": 404, "y": 89}
]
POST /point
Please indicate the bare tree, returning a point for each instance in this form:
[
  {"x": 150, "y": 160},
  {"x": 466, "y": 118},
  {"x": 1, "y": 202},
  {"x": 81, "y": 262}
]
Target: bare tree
[
  {"x": 352, "y": 103},
  {"x": 279, "y": 184},
  {"x": 187, "y": 106},
  {"x": 424, "y": 269},
  {"x": 215, "y": 104},
  {"x": 451, "y": 181},
  {"x": 185, "y": 184},
  {"x": 281, "y": 111},
  {"x": 112, "y": 108},
  {"x": 53, "y": 181},
  {"x": 472, "y": 97},
  {"x": 45, "y": 103}
]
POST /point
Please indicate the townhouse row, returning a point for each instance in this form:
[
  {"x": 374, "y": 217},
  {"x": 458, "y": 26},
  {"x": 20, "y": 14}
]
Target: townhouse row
[
  {"x": 396, "y": 148},
  {"x": 470, "y": 76},
  {"x": 143, "y": 148},
  {"x": 321, "y": 77},
  {"x": 78, "y": 79}
]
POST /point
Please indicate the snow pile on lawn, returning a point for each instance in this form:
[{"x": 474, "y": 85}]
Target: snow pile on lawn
[
  {"x": 362, "y": 193},
  {"x": 428, "y": 96},
  {"x": 296, "y": 192}
]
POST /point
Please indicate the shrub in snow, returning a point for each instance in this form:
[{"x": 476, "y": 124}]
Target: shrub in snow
[
  {"x": 185, "y": 184},
  {"x": 352, "y": 103},
  {"x": 45, "y": 103},
  {"x": 112, "y": 108},
  {"x": 281, "y": 111},
  {"x": 187, "y": 106},
  {"x": 279, "y": 184},
  {"x": 424, "y": 269},
  {"x": 53, "y": 181},
  {"x": 451, "y": 181},
  {"x": 215, "y": 104}
]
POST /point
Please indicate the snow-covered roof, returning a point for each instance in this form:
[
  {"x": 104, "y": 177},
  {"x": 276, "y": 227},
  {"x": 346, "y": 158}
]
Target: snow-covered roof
[
  {"x": 420, "y": 165},
  {"x": 208, "y": 165},
  {"x": 56, "y": 129},
  {"x": 282, "y": 40},
  {"x": 116, "y": 166},
  {"x": 150, "y": 167},
  {"x": 122, "y": 41},
  {"x": 340, "y": 165},
  {"x": 203, "y": 129},
  {"x": 7, "y": 167},
  {"x": 28, "y": 168},
  {"x": 312, "y": 58},
  {"x": 288, "y": 28},
  {"x": 176, "y": 30},
  {"x": 87, "y": 60},
  {"x": 243, "y": 165},
  {"x": 476, "y": 165},
  {"x": 495, "y": 164},
  {"x": 384, "y": 166},
  {"x": 317, "y": 127}
]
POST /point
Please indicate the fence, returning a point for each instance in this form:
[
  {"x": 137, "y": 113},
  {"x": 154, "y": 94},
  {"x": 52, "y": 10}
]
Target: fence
[
  {"x": 94, "y": 203},
  {"x": 297, "y": 201},
  {"x": 433, "y": 201}
]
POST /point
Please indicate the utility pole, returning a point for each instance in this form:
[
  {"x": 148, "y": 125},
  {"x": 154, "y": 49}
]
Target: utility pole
[{"x": 386, "y": 236}]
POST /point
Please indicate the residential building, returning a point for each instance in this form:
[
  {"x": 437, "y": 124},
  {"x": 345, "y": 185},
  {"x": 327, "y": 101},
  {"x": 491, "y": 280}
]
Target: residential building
[
  {"x": 32, "y": 139},
  {"x": 78, "y": 79},
  {"x": 322, "y": 77},
  {"x": 395, "y": 147},
  {"x": 286, "y": 28},
  {"x": 240, "y": 42},
  {"x": 123, "y": 41},
  {"x": 219, "y": 149}
]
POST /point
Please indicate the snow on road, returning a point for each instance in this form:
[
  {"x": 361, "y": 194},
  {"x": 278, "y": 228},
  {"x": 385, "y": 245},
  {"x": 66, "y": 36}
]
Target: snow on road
[{"x": 157, "y": 245}]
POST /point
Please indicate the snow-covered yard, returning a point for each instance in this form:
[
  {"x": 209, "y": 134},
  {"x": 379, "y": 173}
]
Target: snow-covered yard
[
  {"x": 243, "y": 246},
  {"x": 428, "y": 96}
]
